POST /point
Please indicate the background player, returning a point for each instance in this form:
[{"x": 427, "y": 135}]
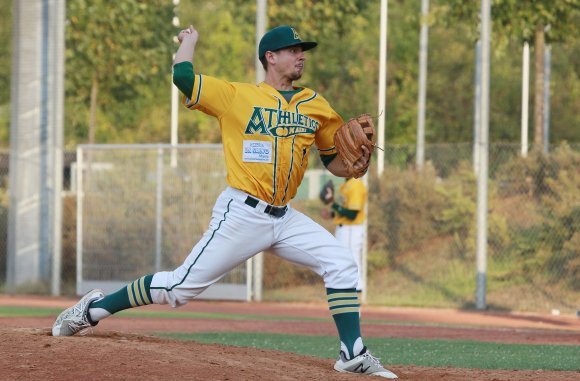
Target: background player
[
  {"x": 267, "y": 131},
  {"x": 348, "y": 214}
]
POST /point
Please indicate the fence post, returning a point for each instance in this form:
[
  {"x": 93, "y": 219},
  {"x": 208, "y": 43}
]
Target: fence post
[
  {"x": 159, "y": 210},
  {"x": 484, "y": 155},
  {"x": 80, "y": 197}
]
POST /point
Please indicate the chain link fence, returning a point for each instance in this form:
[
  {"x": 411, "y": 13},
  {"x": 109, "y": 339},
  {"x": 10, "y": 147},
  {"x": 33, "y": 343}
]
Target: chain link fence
[
  {"x": 141, "y": 209},
  {"x": 421, "y": 228},
  {"x": 422, "y": 232}
]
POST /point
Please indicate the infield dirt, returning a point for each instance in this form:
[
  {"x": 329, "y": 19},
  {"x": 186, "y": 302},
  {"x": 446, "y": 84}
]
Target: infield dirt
[{"x": 120, "y": 348}]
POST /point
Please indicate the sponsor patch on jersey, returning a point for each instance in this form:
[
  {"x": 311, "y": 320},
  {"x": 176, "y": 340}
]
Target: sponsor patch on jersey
[{"x": 257, "y": 151}]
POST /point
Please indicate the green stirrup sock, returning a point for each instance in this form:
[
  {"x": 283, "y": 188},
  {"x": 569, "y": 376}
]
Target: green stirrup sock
[
  {"x": 134, "y": 294},
  {"x": 344, "y": 307}
]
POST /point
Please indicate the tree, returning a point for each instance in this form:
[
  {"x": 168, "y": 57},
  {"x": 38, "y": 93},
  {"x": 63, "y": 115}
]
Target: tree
[
  {"x": 346, "y": 59},
  {"x": 226, "y": 49},
  {"x": 5, "y": 68},
  {"x": 5, "y": 50},
  {"x": 113, "y": 49},
  {"x": 532, "y": 21}
]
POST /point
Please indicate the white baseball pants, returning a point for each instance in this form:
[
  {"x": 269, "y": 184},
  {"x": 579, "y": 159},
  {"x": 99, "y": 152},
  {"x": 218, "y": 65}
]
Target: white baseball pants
[
  {"x": 237, "y": 232},
  {"x": 352, "y": 236}
]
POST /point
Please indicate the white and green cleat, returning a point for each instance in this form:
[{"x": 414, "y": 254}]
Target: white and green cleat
[
  {"x": 365, "y": 363},
  {"x": 75, "y": 319}
]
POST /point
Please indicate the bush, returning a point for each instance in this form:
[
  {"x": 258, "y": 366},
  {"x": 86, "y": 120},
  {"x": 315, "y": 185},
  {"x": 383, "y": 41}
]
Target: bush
[
  {"x": 548, "y": 244},
  {"x": 279, "y": 273},
  {"x": 457, "y": 217},
  {"x": 405, "y": 210}
]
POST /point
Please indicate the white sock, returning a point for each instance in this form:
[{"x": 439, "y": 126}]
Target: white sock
[
  {"x": 357, "y": 348},
  {"x": 344, "y": 350},
  {"x": 97, "y": 314}
]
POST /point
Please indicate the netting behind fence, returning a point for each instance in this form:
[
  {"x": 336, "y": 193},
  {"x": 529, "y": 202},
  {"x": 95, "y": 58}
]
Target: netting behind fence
[
  {"x": 421, "y": 231},
  {"x": 142, "y": 209}
]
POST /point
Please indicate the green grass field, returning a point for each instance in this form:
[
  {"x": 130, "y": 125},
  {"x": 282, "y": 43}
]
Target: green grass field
[
  {"x": 393, "y": 351},
  {"x": 397, "y": 351}
]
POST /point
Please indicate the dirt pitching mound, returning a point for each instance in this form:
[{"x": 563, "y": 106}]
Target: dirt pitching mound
[{"x": 32, "y": 354}]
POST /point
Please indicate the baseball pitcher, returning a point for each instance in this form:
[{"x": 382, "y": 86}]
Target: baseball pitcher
[{"x": 267, "y": 131}]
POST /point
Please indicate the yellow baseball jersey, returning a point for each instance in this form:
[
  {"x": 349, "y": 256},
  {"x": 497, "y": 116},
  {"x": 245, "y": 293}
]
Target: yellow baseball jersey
[
  {"x": 352, "y": 195},
  {"x": 266, "y": 139}
]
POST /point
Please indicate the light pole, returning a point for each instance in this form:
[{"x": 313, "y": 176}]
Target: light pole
[
  {"x": 482, "y": 174},
  {"x": 174, "y": 99},
  {"x": 382, "y": 111},
  {"x": 255, "y": 266},
  {"x": 420, "y": 160},
  {"x": 525, "y": 97}
]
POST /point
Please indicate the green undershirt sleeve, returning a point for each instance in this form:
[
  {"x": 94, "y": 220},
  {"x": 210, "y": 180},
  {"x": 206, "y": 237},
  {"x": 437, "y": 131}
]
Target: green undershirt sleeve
[
  {"x": 326, "y": 159},
  {"x": 183, "y": 77},
  {"x": 348, "y": 213}
]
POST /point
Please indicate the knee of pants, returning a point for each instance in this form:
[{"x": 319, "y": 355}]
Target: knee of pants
[
  {"x": 165, "y": 289},
  {"x": 346, "y": 276}
]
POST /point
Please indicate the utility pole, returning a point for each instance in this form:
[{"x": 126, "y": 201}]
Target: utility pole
[
  {"x": 422, "y": 84},
  {"x": 482, "y": 174}
]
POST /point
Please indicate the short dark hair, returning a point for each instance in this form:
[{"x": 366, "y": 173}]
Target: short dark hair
[{"x": 264, "y": 62}]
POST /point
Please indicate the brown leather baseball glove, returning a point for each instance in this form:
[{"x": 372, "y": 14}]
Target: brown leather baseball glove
[{"x": 349, "y": 138}]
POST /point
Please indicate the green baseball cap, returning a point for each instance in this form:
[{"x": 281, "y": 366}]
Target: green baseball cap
[{"x": 282, "y": 37}]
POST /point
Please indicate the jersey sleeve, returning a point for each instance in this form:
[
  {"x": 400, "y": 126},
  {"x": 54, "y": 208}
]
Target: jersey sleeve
[
  {"x": 210, "y": 95},
  {"x": 324, "y": 137}
]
